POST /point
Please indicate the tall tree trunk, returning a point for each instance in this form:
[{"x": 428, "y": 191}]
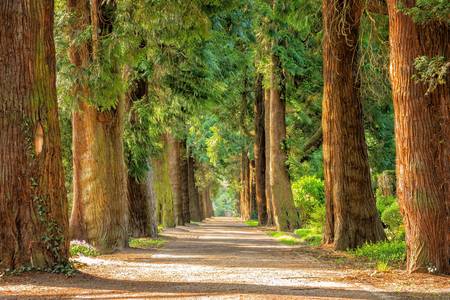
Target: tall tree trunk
[
  {"x": 194, "y": 203},
  {"x": 252, "y": 191},
  {"x": 422, "y": 130},
  {"x": 100, "y": 206},
  {"x": 184, "y": 180},
  {"x": 245, "y": 201},
  {"x": 269, "y": 204},
  {"x": 285, "y": 214},
  {"x": 142, "y": 202},
  {"x": 260, "y": 154},
  {"x": 163, "y": 188},
  {"x": 351, "y": 217},
  {"x": 175, "y": 178},
  {"x": 33, "y": 200}
]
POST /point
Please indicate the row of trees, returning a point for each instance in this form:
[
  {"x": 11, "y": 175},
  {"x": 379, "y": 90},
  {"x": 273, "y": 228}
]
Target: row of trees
[
  {"x": 159, "y": 101},
  {"x": 421, "y": 131}
]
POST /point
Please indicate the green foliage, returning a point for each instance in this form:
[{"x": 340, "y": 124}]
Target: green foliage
[
  {"x": 311, "y": 236},
  {"x": 224, "y": 201},
  {"x": 425, "y": 11},
  {"x": 284, "y": 238},
  {"x": 309, "y": 198},
  {"x": 252, "y": 223},
  {"x": 146, "y": 243},
  {"x": 82, "y": 248},
  {"x": 431, "y": 71},
  {"x": 387, "y": 252}
]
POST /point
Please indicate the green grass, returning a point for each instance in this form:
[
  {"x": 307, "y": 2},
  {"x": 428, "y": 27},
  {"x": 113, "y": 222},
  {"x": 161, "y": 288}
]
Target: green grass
[
  {"x": 284, "y": 238},
  {"x": 310, "y": 236},
  {"x": 385, "y": 252},
  {"x": 252, "y": 223},
  {"x": 146, "y": 243},
  {"x": 82, "y": 248}
]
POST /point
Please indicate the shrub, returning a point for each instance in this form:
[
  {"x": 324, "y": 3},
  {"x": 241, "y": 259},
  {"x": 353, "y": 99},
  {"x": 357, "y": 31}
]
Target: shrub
[
  {"x": 387, "y": 251},
  {"x": 82, "y": 248},
  {"x": 309, "y": 197}
]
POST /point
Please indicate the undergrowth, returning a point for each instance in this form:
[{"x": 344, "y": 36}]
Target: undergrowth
[
  {"x": 284, "y": 238},
  {"x": 146, "y": 243},
  {"x": 252, "y": 223}
]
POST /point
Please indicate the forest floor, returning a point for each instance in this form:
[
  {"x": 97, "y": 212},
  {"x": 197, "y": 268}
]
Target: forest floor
[{"x": 224, "y": 259}]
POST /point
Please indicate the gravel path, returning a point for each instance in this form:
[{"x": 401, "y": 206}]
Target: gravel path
[{"x": 221, "y": 259}]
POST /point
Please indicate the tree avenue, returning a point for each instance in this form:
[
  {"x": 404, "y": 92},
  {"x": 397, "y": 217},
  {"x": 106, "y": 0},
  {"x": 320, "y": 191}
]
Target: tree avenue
[{"x": 324, "y": 121}]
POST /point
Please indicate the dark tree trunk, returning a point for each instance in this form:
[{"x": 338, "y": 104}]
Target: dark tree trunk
[
  {"x": 100, "y": 206},
  {"x": 260, "y": 154},
  {"x": 245, "y": 200},
  {"x": 351, "y": 218},
  {"x": 285, "y": 214},
  {"x": 422, "y": 130},
  {"x": 175, "y": 178},
  {"x": 269, "y": 204},
  {"x": 184, "y": 180},
  {"x": 142, "y": 202},
  {"x": 33, "y": 201},
  {"x": 194, "y": 202}
]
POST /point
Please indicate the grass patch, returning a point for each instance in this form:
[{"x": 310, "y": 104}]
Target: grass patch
[
  {"x": 309, "y": 236},
  {"x": 284, "y": 238},
  {"x": 82, "y": 248},
  {"x": 146, "y": 243},
  {"x": 384, "y": 252},
  {"x": 252, "y": 223}
]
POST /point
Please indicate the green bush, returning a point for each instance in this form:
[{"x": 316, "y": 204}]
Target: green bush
[
  {"x": 384, "y": 202},
  {"x": 82, "y": 248},
  {"x": 309, "y": 198},
  {"x": 387, "y": 251}
]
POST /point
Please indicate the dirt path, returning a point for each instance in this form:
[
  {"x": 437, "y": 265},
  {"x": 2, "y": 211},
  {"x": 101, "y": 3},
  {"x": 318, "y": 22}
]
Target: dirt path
[{"x": 222, "y": 259}]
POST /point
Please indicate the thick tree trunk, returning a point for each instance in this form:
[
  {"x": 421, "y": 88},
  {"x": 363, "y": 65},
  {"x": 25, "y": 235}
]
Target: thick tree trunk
[
  {"x": 33, "y": 201},
  {"x": 422, "y": 130},
  {"x": 175, "y": 178},
  {"x": 269, "y": 204},
  {"x": 184, "y": 180},
  {"x": 100, "y": 206},
  {"x": 351, "y": 218},
  {"x": 163, "y": 189},
  {"x": 285, "y": 214},
  {"x": 260, "y": 154},
  {"x": 245, "y": 201},
  {"x": 142, "y": 203},
  {"x": 194, "y": 202}
]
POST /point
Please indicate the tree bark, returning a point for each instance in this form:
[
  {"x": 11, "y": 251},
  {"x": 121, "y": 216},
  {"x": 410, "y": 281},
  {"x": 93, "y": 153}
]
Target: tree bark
[
  {"x": 163, "y": 189},
  {"x": 260, "y": 154},
  {"x": 184, "y": 180},
  {"x": 269, "y": 204},
  {"x": 351, "y": 214},
  {"x": 245, "y": 201},
  {"x": 422, "y": 131},
  {"x": 175, "y": 178},
  {"x": 142, "y": 205},
  {"x": 285, "y": 214},
  {"x": 100, "y": 206},
  {"x": 33, "y": 200},
  {"x": 194, "y": 202}
]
